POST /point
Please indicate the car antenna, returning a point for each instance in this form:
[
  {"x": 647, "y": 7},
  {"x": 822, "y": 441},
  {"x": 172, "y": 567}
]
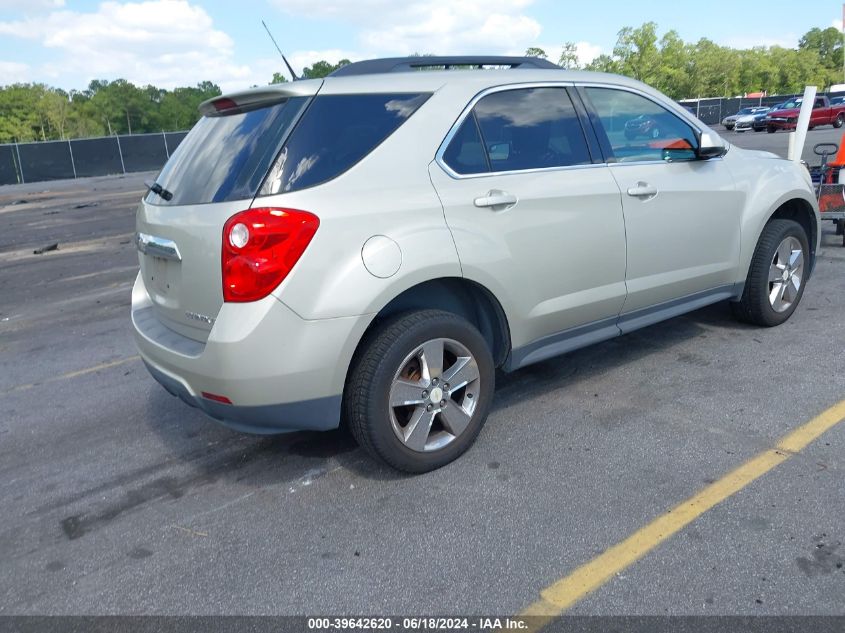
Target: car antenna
[{"x": 284, "y": 59}]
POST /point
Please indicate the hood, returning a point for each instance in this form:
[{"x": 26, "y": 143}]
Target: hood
[{"x": 755, "y": 153}]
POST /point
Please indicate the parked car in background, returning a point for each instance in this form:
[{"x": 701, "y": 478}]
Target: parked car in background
[
  {"x": 370, "y": 247},
  {"x": 837, "y": 100},
  {"x": 730, "y": 121},
  {"x": 823, "y": 113},
  {"x": 754, "y": 121},
  {"x": 642, "y": 126}
]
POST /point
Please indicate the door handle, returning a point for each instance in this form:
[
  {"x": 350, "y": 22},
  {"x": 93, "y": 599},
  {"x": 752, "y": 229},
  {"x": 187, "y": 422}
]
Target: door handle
[
  {"x": 496, "y": 198},
  {"x": 642, "y": 190}
]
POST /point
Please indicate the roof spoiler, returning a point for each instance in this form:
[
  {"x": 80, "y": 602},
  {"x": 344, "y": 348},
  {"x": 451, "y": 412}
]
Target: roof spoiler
[
  {"x": 406, "y": 64},
  {"x": 235, "y": 102}
]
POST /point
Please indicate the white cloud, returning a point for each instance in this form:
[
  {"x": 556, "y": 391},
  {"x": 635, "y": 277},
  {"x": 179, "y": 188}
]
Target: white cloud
[
  {"x": 180, "y": 46},
  {"x": 30, "y": 6},
  {"x": 429, "y": 26},
  {"x": 837, "y": 24},
  {"x": 13, "y": 72}
]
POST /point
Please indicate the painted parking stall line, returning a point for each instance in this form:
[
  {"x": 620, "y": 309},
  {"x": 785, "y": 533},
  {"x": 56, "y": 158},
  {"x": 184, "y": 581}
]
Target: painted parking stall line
[
  {"x": 74, "y": 374},
  {"x": 566, "y": 592}
]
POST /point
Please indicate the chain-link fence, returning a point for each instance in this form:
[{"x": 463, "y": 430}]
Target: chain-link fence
[
  {"x": 712, "y": 111},
  {"x": 78, "y": 158}
]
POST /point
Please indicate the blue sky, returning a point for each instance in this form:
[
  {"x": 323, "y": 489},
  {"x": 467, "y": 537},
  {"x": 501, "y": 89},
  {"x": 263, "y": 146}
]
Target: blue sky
[{"x": 176, "y": 42}]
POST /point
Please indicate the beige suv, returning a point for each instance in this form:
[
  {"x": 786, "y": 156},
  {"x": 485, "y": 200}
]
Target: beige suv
[{"x": 366, "y": 249}]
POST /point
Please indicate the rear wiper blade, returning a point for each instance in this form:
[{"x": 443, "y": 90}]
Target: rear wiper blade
[{"x": 158, "y": 189}]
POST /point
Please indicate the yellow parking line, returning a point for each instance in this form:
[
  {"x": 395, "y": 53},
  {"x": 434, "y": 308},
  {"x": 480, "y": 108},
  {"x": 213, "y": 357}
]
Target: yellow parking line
[
  {"x": 563, "y": 594},
  {"x": 74, "y": 374}
]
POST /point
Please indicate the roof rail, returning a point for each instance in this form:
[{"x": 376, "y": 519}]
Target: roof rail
[{"x": 405, "y": 64}]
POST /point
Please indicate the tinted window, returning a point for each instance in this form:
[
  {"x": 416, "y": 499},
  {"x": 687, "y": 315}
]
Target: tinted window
[
  {"x": 528, "y": 128},
  {"x": 227, "y": 157},
  {"x": 465, "y": 153},
  {"x": 638, "y": 129},
  {"x": 335, "y": 133}
]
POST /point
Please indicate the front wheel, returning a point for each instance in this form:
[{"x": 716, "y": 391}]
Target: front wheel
[
  {"x": 775, "y": 282},
  {"x": 420, "y": 390}
]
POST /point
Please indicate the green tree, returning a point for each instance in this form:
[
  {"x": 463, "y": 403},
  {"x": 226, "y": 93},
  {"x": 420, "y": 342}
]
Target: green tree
[
  {"x": 533, "y": 51},
  {"x": 568, "y": 56},
  {"x": 827, "y": 43},
  {"x": 322, "y": 68},
  {"x": 637, "y": 52}
]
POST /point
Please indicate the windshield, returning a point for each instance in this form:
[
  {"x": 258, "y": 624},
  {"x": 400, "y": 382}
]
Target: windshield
[{"x": 226, "y": 157}]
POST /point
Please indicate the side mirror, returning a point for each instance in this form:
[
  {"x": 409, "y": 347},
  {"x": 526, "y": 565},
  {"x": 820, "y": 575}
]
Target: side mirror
[{"x": 711, "y": 146}]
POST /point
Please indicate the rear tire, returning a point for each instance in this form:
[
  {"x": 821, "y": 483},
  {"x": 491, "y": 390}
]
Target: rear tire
[
  {"x": 400, "y": 366},
  {"x": 840, "y": 119},
  {"x": 779, "y": 264}
]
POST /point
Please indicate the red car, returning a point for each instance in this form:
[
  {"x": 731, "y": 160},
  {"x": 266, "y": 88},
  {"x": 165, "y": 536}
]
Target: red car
[{"x": 823, "y": 113}]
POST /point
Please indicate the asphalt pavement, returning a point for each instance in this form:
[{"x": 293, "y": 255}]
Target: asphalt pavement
[{"x": 117, "y": 498}]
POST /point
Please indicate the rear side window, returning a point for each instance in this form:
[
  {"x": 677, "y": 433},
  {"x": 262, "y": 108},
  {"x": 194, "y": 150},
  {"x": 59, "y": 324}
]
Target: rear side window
[
  {"x": 226, "y": 157},
  {"x": 526, "y": 128},
  {"x": 466, "y": 154},
  {"x": 335, "y": 133}
]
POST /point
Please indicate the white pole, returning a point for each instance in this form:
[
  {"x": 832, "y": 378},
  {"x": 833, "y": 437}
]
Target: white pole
[
  {"x": 20, "y": 164},
  {"x": 803, "y": 123}
]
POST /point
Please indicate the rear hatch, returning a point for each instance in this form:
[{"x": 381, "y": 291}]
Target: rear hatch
[{"x": 214, "y": 173}]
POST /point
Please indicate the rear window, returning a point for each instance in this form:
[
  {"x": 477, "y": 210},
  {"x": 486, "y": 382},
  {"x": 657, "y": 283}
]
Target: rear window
[
  {"x": 335, "y": 133},
  {"x": 226, "y": 157}
]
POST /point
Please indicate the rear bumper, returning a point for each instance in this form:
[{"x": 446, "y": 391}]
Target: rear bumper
[
  {"x": 320, "y": 414},
  {"x": 280, "y": 372}
]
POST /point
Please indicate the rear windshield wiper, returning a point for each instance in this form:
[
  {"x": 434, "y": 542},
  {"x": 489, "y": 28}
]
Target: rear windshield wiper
[{"x": 158, "y": 189}]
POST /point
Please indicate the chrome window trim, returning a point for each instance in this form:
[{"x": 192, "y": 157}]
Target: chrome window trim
[
  {"x": 441, "y": 150},
  {"x": 682, "y": 114}
]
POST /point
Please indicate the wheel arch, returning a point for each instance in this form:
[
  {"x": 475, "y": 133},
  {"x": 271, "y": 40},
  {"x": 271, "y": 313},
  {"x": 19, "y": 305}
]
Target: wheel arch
[
  {"x": 795, "y": 204},
  {"x": 457, "y": 295},
  {"x": 801, "y": 211}
]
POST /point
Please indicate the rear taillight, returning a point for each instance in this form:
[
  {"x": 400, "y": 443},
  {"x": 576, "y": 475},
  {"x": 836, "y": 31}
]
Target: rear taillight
[{"x": 260, "y": 247}]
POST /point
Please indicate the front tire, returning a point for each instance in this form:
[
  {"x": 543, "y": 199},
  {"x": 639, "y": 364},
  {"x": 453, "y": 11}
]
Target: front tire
[
  {"x": 775, "y": 282},
  {"x": 420, "y": 390}
]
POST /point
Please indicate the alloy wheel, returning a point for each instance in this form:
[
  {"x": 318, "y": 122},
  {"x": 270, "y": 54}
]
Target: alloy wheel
[
  {"x": 434, "y": 394},
  {"x": 786, "y": 274}
]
